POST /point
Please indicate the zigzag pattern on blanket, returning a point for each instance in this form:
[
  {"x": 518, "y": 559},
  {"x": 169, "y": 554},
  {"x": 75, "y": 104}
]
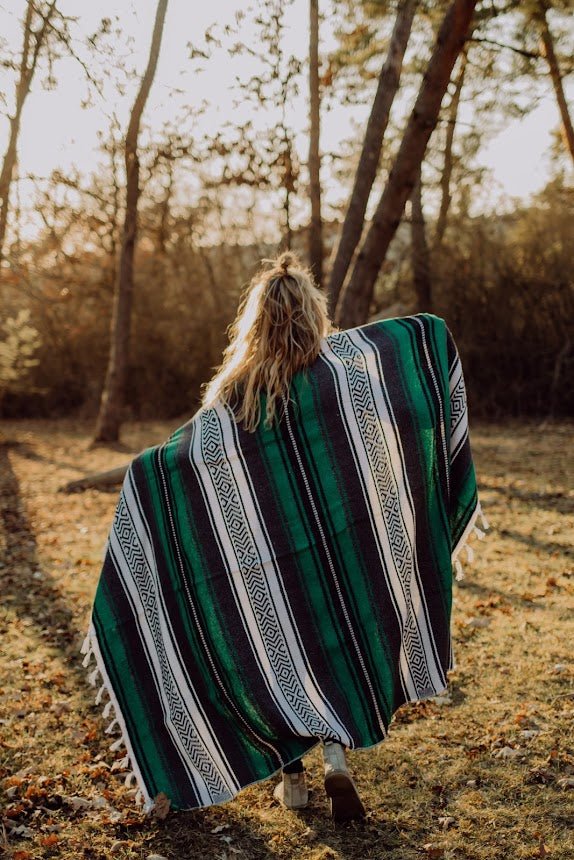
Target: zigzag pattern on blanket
[{"x": 262, "y": 591}]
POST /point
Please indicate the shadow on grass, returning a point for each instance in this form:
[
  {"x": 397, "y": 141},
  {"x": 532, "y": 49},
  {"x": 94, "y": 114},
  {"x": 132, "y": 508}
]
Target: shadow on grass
[
  {"x": 240, "y": 831},
  {"x": 28, "y": 590}
]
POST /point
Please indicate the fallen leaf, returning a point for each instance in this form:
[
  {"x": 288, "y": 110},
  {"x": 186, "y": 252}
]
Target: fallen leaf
[
  {"x": 49, "y": 841},
  {"x": 76, "y": 802},
  {"x": 161, "y": 806},
  {"x": 508, "y": 753},
  {"x": 478, "y": 622},
  {"x": 434, "y": 851},
  {"x": 565, "y": 782}
]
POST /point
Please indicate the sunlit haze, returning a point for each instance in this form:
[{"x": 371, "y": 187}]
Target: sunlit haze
[{"x": 58, "y": 133}]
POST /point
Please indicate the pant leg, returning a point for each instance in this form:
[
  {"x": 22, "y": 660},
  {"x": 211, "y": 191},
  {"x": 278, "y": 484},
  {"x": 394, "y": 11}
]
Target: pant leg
[{"x": 295, "y": 767}]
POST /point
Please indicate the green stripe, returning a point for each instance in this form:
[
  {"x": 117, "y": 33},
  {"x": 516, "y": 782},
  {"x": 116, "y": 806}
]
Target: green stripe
[
  {"x": 417, "y": 395},
  {"x": 311, "y": 575},
  {"x": 214, "y": 624},
  {"x": 132, "y": 703},
  {"x": 344, "y": 540}
]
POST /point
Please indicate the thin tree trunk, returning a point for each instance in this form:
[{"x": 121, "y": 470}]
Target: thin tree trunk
[
  {"x": 28, "y": 64},
  {"x": 109, "y": 418},
  {"x": 316, "y": 226},
  {"x": 420, "y": 257},
  {"x": 547, "y": 47},
  {"x": 387, "y": 87},
  {"x": 355, "y": 301},
  {"x": 446, "y": 196}
]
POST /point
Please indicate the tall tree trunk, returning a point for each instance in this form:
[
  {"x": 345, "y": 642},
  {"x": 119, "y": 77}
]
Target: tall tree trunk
[
  {"x": 547, "y": 47},
  {"x": 33, "y": 41},
  {"x": 420, "y": 257},
  {"x": 387, "y": 87},
  {"x": 316, "y": 226},
  {"x": 355, "y": 301},
  {"x": 109, "y": 418},
  {"x": 448, "y": 164}
]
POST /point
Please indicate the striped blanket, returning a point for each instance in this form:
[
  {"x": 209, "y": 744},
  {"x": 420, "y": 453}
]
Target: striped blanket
[{"x": 263, "y": 591}]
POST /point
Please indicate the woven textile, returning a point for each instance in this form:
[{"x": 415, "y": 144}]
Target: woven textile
[{"x": 262, "y": 591}]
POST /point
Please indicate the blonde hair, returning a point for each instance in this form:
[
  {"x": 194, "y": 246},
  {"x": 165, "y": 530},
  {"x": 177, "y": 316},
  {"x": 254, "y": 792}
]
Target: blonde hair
[{"x": 280, "y": 323}]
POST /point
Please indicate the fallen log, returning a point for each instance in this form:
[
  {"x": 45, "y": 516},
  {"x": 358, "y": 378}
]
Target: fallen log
[{"x": 111, "y": 478}]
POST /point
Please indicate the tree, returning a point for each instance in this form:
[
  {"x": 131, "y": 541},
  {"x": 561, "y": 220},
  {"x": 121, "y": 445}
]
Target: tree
[
  {"x": 420, "y": 256},
  {"x": 34, "y": 41},
  {"x": 17, "y": 350},
  {"x": 109, "y": 418},
  {"x": 388, "y": 85},
  {"x": 448, "y": 161},
  {"x": 549, "y": 53},
  {"x": 354, "y": 304},
  {"x": 315, "y": 229}
]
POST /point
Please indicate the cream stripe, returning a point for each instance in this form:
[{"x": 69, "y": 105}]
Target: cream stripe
[
  {"x": 251, "y": 567},
  {"x": 201, "y": 741}
]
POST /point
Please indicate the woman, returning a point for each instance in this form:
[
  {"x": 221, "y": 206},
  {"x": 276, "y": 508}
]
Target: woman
[
  {"x": 279, "y": 571},
  {"x": 278, "y": 331}
]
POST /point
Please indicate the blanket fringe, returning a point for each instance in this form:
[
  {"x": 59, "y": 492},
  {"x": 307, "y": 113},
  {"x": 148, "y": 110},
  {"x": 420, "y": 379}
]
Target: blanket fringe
[
  {"x": 90, "y": 651},
  {"x": 464, "y": 544}
]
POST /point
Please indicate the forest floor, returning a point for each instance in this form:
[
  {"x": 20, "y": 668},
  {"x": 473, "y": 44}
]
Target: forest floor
[{"x": 485, "y": 772}]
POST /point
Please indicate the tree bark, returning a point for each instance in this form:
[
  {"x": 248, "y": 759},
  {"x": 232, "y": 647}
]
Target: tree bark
[
  {"x": 420, "y": 257},
  {"x": 111, "y": 478},
  {"x": 356, "y": 299},
  {"x": 387, "y": 87},
  {"x": 316, "y": 226},
  {"x": 452, "y": 115},
  {"x": 109, "y": 418},
  {"x": 547, "y": 47},
  {"x": 33, "y": 42}
]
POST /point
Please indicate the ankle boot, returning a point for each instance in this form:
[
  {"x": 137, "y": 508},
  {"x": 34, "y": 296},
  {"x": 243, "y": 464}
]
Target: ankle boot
[
  {"x": 345, "y": 801},
  {"x": 292, "y": 791}
]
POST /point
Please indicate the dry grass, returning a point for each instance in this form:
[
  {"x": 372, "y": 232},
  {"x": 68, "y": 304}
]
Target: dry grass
[{"x": 484, "y": 775}]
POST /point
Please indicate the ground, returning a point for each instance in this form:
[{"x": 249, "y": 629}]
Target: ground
[{"x": 485, "y": 772}]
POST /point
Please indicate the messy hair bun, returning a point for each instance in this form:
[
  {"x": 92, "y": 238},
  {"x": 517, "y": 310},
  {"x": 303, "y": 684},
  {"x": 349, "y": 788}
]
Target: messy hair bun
[{"x": 278, "y": 330}]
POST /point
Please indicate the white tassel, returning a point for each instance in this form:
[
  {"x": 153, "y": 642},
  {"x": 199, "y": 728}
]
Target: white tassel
[
  {"x": 85, "y": 645},
  {"x": 100, "y": 695},
  {"x": 130, "y": 779},
  {"x": 87, "y": 658},
  {"x": 112, "y": 726},
  {"x": 139, "y": 796},
  {"x": 469, "y": 553},
  {"x": 459, "y": 570},
  {"x": 478, "y": 532},
  {"x": 124, "y": 762},
  {"x": 117, "y": 744},
  {"x": 93, "y": 676},
  {"x": 107, "y": 709},
  {"x": 484, "y": 520}
]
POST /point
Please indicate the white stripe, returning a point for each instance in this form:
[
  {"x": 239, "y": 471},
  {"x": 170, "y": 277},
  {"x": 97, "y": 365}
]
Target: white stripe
[
  {"x": 201, "y": 633},
  {"x": 382, "y": 403},
  {"x": 370, "y": 426},
  {"x": 183, "y": 716},
  {"x": 459, "y": 413},
  {"x": 332, "y": 567},
  {"x": 95, "y": 645},
  {"x": 254, "y": 579}
]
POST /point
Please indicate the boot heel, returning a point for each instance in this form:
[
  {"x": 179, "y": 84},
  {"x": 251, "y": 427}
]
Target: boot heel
[{"x": 346, "y": 804}]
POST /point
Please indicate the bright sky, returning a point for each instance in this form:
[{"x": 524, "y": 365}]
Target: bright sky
[{"x": 56, "y": 132}]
